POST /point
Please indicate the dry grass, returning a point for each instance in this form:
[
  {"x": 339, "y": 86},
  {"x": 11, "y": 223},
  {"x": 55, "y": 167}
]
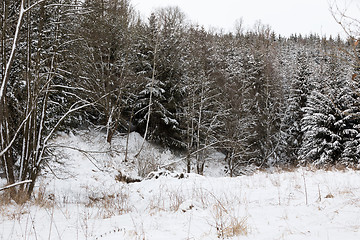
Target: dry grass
[
  {"x": 175, "y": 200},
  {"x": 110, "y": 205},
  {"x": 10, "y": 210},
  {"x": 156, "y": 203},
  {"x": 166, "y": 200},
  {"x": 5, "y": 198},
  {"x": 329, "y": 195},
  {"x": 237, "y": 227},
  {"x": 227, "y": 225},
  {"x": 201, "y": 195},
  {"x": 42, "y": 199}
]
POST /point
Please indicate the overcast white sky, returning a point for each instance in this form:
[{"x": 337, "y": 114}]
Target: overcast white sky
[{"x": 284, "y": 16}]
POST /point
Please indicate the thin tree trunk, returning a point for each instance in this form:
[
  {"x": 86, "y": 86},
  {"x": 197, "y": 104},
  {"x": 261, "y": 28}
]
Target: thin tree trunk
[
  {"x": 150, "y": 99},
  {"x": 127, "y": 137},
  {"x": 13, "y": 51}
]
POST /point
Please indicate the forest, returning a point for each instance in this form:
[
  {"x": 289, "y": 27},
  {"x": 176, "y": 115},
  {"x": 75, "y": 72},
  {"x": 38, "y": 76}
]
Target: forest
[{"x": 259, "y": 98}]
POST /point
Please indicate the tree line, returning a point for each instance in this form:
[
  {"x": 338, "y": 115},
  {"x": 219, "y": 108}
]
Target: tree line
[{"x": 259, "y": 98}]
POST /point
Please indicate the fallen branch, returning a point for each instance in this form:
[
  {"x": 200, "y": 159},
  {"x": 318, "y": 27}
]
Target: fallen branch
[{"x": 15, "y": 184}]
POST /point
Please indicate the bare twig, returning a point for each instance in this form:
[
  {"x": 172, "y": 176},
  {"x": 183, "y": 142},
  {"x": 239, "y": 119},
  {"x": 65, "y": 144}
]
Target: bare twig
[{"x": 306, "y": 194}]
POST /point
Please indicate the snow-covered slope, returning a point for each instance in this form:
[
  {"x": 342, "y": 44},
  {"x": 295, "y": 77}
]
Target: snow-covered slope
[{"x": 80, "y": 197}]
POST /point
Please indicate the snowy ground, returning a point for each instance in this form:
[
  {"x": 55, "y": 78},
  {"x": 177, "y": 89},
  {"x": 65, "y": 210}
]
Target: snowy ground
[{"x": 85, "y": 201}]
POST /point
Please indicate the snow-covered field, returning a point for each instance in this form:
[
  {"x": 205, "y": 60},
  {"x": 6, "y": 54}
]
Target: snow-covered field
[{"x": 81, "y": 198}]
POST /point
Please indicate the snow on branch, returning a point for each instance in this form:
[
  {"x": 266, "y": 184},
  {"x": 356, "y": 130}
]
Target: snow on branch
[{"x": 15, "y": 184}]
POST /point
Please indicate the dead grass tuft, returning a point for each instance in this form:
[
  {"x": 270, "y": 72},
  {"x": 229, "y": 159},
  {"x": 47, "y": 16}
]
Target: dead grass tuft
[
  {"x": 227, "y": 225},
  {"x": 329, "y": 196},
  {"x": 5, "y": 198},
  {"x": 110, "y": 205},
  {"x": 175, "y": 199},
  {"x": 42, "y": 199},
  {"x": 237, "y": 227}
]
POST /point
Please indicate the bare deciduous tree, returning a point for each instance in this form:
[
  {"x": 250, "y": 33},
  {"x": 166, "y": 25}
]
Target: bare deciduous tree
[{"x": 25, "y": 123}]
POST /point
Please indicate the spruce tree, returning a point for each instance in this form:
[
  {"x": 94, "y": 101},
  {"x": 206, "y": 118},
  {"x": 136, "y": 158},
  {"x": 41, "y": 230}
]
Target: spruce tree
[
  {"x": 160, "y": 72},
  {"x": 298, "y": 95},
  {"x": 330, "y": 124}
]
